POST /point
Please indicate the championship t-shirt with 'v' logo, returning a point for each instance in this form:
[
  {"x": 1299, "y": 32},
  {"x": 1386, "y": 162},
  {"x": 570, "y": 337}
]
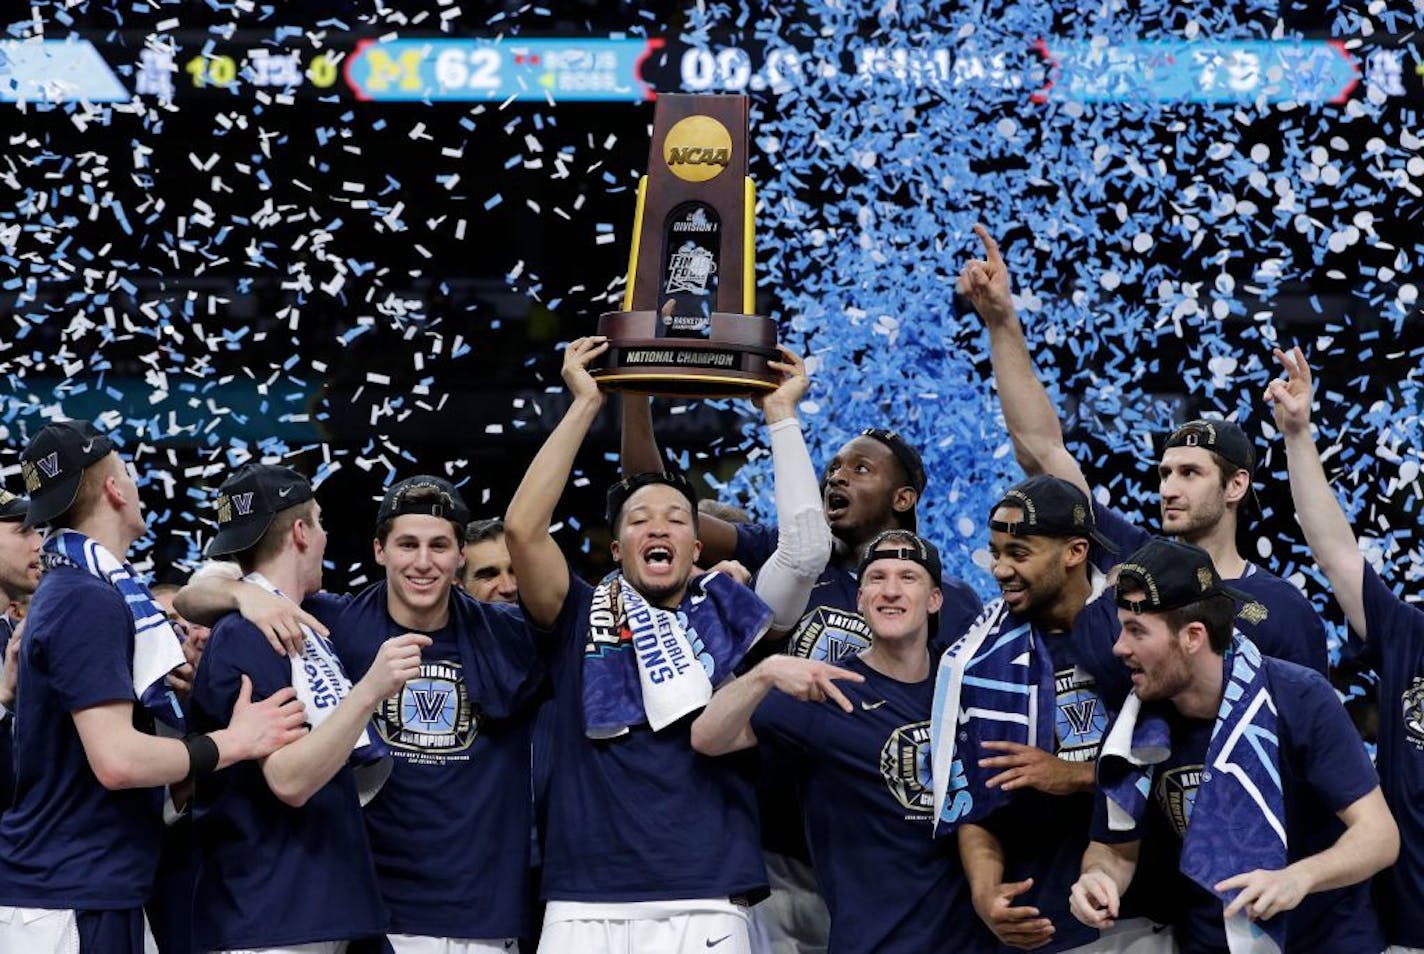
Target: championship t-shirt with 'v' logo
[{"x": 449, "y": 829}]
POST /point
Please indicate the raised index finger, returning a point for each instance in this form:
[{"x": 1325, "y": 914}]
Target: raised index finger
[{"x": 991, "y": 247}]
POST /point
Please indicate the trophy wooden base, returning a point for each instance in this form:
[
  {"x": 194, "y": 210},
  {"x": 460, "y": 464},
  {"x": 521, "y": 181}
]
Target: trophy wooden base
[{"x": 730, "y": 362}]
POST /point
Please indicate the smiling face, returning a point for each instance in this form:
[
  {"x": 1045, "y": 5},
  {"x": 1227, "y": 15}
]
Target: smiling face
[
  {"x": 656, "y": 543},
  {"x": 1031, "y": 570},
  {"x": 489, "y": 572},
  {"x": 421, "y": 554},
  {"x": 19, "y": 560},
  {"x": 896, "y": 598},
  {"x": 865, "y": 491},
  {"x": 1195, "y": 496},
  {"x": 1153, "y": 652}
]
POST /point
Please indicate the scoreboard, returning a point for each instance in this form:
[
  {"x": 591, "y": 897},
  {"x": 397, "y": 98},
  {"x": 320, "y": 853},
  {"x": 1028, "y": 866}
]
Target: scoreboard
[{"x": 117, "y": 68}]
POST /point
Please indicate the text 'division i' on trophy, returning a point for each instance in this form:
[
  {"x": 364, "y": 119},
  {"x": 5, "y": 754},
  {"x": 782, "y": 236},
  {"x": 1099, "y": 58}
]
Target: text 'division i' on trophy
[{"x": 686, "y": 327}]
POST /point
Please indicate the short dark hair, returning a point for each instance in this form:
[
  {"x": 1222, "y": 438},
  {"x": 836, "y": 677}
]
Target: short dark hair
[
  {"x": 419, "y": 495},
  {"x": 478, "y": 531},
  {"x": 1217, "y": 613},
  {"x": 1225, "y": 469},
  {"x": 270, "y": 543}
]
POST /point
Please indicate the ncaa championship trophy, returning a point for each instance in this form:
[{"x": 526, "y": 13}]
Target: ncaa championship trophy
[{"x": 686, "y": 328}]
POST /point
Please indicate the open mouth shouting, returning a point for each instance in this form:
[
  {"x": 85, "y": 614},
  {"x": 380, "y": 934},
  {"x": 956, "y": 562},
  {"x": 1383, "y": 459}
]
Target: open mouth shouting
[
  {"x": 837, "y": 503},
  {"x": 658, "y": 558}
]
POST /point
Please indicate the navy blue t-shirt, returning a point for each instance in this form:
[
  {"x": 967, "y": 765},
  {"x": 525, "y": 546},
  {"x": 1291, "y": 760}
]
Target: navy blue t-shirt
[
  {"x": 1396, "y": 643},
  {"x": 449, "y": 829},
  {"x": 1279, "y": 619},
  {"x": 832, "y": 629},
  {"x": 1324, "y": 769},
  {"x": 68, "y": 842},
  {"x": 269, "y": 874},
  {"x": 1044, "y": 836},
  {"x": 642, "y": 817},
  {"x": 864, "y": 781}
]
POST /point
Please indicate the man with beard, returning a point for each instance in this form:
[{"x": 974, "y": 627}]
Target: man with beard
[
  {"x": 860, "y": 756},
  {"x": 1205, "y": 472},
  {"x": 487, "y": 574},
  {"x": 652, "y": 848},
  {"x": 79, "y": 846},
  {"x": 1021, "y": 705},
  {"x": 1242, "y": 770},
  {"x": 1393, "y": 631},
  {"x": 458, "y": 731}
]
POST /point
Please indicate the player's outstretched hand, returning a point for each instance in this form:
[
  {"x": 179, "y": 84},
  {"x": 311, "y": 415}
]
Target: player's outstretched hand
[
  {"x": 1094, "y": 900},
  {"x": 1027, "y": 766},
  {"x": 1021, "y": 927},
  {"x": 810, "y": 680},
  {"x": 279, "y": 619},
  {"x": 258, "y": 729},
  {"x": 985, "y": 282},
  {"x": 781, "y": 403},
  {"x": 1264, "y": 893},
  {"x": 1290, "y": 396},
  {"x": 733, "y": 569},
  {"x": 397, "y": 662},
  {"x": 580, "y": 353}
]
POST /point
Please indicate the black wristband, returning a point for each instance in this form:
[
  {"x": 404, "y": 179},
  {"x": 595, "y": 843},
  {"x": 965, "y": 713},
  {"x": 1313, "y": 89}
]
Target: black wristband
[{"x": 202, "y": 754}]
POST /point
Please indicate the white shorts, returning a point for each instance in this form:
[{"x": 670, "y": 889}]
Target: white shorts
[
  {"x": 1133, "y": 936},
  {"x": 316, "y": 947},
  {"x": 420, "y": 944},
  {"x": 711, "y": 927},
  {"x": 48, "y": 931},
  {"x": 1403, "y": 950}
]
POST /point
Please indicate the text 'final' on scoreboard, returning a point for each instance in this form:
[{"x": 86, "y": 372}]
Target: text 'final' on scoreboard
[{"x": 282, "y": 65}]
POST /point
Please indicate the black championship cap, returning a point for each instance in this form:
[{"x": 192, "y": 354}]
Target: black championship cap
[
  {"x": 1170, "y": 574},
  {"x": 908, "y": 457},
  {"x": 1226, "y": 439},
  {"x": 902, "y": 545},
  {"x": 53, "y": 463},
  {"x": 619, "y": 493},
  {"x": 249, "y": 499},
  {"x": 426, "y": 495},
  {"x": 13, "y": 506},
  {"x": 1052, "y": 507}
]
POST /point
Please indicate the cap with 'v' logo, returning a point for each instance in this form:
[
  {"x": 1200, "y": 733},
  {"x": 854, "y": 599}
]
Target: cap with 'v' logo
[
  {"x": 53, "y": 463},
  {"x": 249, "y": 499}
]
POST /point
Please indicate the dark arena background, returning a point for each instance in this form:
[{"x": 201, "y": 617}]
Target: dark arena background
[{"x": 353, "y": 237}]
